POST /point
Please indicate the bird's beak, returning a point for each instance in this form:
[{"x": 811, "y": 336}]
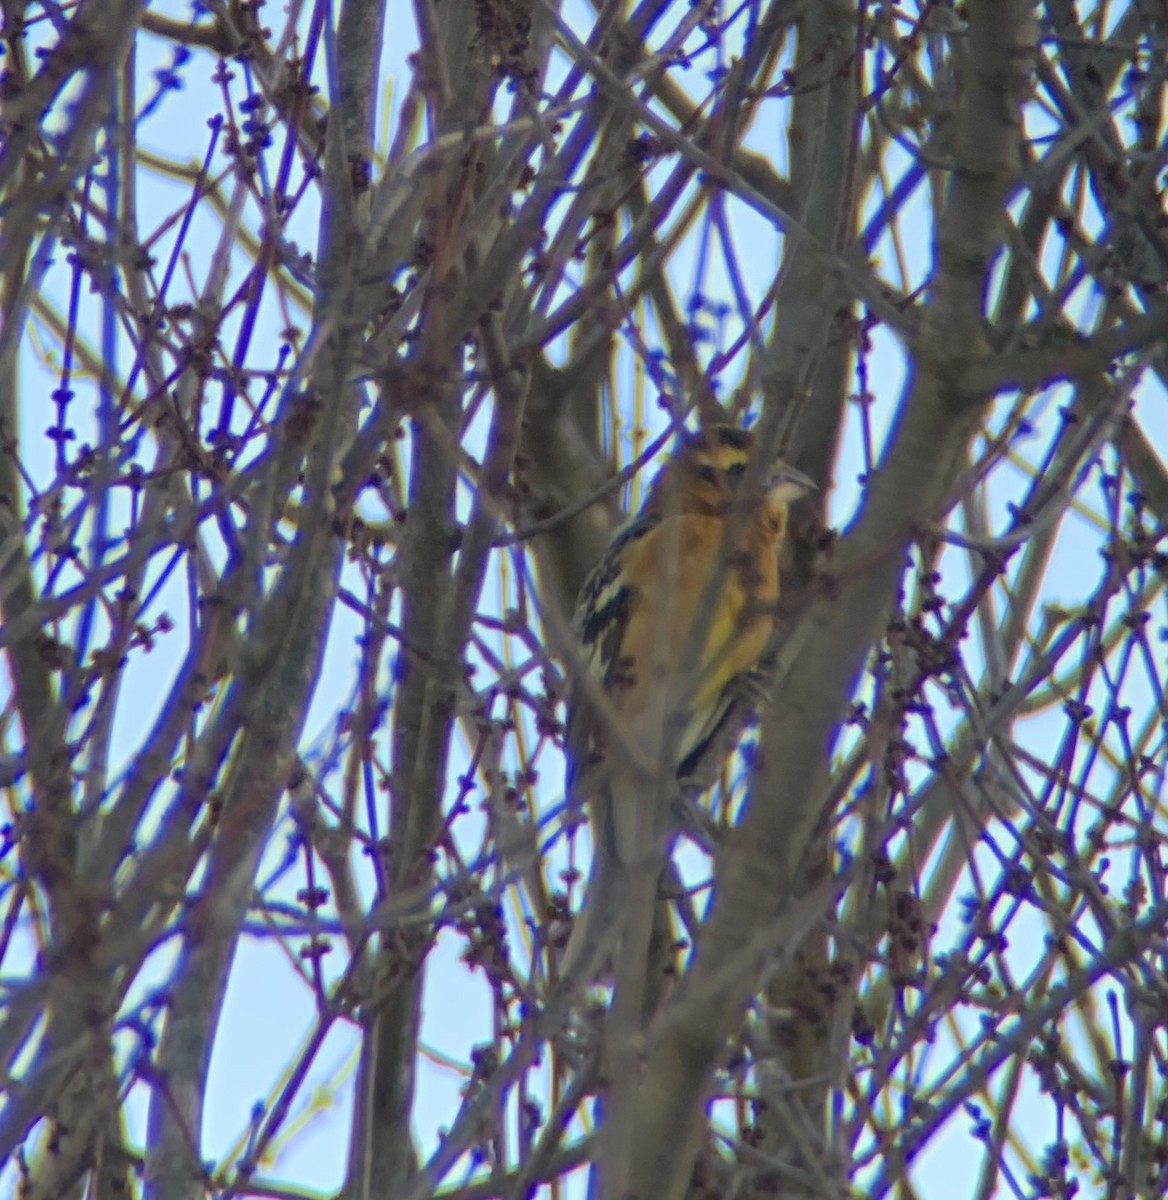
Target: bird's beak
[{"x": 785, "y": 484}]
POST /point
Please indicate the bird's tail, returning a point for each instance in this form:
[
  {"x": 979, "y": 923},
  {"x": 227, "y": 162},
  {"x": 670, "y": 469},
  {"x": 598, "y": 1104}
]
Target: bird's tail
[
  {"x": 596, "y": 933},
  {"x": 621, "y": 900}
]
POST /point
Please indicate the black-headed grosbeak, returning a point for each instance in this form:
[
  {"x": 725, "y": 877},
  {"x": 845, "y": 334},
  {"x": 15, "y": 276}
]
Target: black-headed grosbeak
[{"x": 682, "y": 603}]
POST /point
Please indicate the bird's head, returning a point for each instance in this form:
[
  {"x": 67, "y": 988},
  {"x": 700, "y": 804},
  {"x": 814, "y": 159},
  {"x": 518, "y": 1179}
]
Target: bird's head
[{"x": 706, "y": 476}]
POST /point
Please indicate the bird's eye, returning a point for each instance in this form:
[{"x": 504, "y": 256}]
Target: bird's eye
[{"x": 728, "y": 475}]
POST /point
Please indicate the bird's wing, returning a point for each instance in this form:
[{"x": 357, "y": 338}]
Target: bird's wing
[{"x": 608, "y": 598}]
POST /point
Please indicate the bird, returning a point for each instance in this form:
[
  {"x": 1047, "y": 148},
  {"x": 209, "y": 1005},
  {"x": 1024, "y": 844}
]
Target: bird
[{"x": 680, "y": 605}]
